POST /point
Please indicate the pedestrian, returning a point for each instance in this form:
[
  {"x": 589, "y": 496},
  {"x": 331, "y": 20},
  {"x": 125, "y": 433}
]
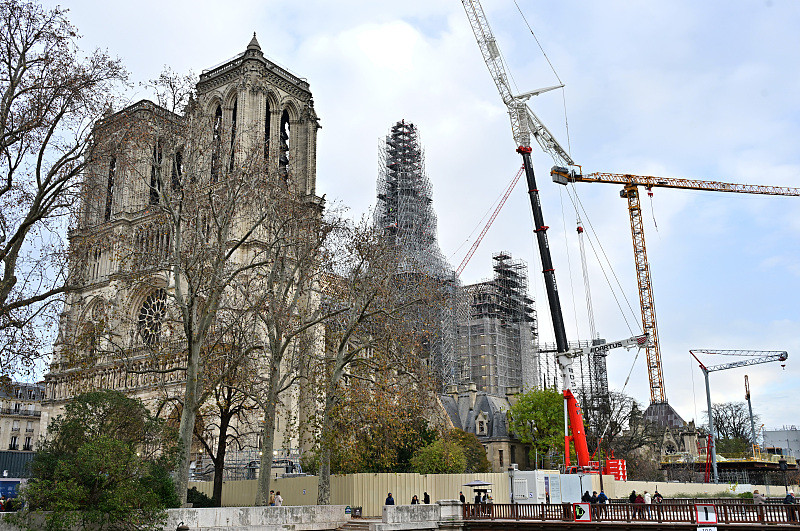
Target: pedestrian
[
  {"x": 586, "y": 498},
  {"x": 414, "y": 500},
  {"x": 461, "y": 497},
  {"x": 647, "y": 501},
  {"x": 602, "y": 499},
  {"x": 272, "y": 497},
  {"x": 790, "y": 501},
  {"x": 595, "y": 509},
  {"x": 389, "y": 500},
  {"x": 638, "y": 504},
  {"x": 278, "y": 499},
  {"x": 425, "y": 498},
  {"x": 759, "y": 501},
  {"x": 477, "y": 498},
  {"x": 632, "y": 497},
  {"x": 657, "y": 498}
]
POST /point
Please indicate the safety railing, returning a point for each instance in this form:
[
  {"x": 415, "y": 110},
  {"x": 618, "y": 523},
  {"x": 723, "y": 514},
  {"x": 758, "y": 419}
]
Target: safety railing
[{"x": 726, "y": 513}]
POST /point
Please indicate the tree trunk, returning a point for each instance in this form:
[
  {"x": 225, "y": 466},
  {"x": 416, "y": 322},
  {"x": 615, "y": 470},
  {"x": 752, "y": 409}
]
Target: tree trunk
[
  {"x": 268, "y": 438},
  {"x": 219, "y": 461},
  {"x": 188, "y": 416},
  {"x": 324, "y": 488}
]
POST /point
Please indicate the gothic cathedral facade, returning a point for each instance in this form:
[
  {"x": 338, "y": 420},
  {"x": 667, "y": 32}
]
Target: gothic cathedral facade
[{"x": 247, "y": 105}]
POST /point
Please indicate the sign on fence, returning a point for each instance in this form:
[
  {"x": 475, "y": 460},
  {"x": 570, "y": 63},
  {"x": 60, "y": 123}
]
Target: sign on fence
[
  {"x": 583, "y": 512},
  {"x": 706, "y": 513}
]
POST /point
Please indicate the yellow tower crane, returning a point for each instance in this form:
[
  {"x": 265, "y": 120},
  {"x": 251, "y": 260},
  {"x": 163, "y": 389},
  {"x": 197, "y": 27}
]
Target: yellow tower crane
[{"x": 630, "y": 192}]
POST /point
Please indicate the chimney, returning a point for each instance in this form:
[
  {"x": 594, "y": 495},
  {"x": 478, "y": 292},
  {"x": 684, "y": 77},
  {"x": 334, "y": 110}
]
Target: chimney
[
  {"x": 512, "y": 394},
  {"x": 472, "y": 389},
  {"x": 452, "y": 391}
]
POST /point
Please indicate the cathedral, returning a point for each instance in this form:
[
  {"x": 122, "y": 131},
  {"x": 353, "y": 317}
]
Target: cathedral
[{"x": 118, "y": 329}]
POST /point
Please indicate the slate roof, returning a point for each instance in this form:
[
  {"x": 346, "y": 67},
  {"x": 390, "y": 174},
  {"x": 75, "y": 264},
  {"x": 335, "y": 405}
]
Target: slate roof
[{"x": 494, "y": 409}]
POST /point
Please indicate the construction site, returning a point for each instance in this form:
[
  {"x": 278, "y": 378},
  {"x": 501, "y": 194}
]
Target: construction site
[{"x": 489, "y": 335}]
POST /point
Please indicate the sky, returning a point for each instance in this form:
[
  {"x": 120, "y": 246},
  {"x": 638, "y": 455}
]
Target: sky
[{"x": 698, "y": 90}]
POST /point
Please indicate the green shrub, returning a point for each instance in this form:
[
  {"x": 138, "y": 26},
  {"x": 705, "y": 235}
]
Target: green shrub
[{"x": 198, "y": 499}]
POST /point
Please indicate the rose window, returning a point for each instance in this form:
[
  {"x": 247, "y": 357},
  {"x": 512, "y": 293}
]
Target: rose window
[{"x": 151, "y": 317}]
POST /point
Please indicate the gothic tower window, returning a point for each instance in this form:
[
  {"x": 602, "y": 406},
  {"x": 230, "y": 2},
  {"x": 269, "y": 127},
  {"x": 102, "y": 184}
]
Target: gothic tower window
[
  {"x": 216, "y": 144},
  {"x": 177, "y": 170},
  {"x": 267, "y": 122},
  {"x": 151, "y": 317},
  {"x": 112, "y": 169},
  {"x": 155, "y": 173},
  {"x": 233, "y": 134},
  {"x": 283, "y": 161}
]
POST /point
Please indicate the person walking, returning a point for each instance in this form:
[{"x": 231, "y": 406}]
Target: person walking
[
  {"x": 638, "y": 506},
  {"x": 759, "y": 500},
  {"x": 425, "y": 498},
  {"x": 595, "y": 508},
  {"x": 790, "y": 510},
  {"x": 389, "y": 500},
  {"x": 461, "y": 497},
  {"x": 602, "y": 499},
  {"x": 278, "y": 499},
  {"x": 272, "y": 497}
]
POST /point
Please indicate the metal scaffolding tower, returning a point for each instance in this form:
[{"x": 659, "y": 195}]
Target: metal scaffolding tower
[
  {"x": 497, "y": 342},
  {"x": 405, "y": 214}
]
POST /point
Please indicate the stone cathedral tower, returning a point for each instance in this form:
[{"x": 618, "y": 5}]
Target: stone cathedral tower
[{"x": 251, "y": 105}]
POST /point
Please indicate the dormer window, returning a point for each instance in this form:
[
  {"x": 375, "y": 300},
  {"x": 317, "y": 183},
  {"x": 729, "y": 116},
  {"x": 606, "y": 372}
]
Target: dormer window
[{"x": 481, "y": 427}]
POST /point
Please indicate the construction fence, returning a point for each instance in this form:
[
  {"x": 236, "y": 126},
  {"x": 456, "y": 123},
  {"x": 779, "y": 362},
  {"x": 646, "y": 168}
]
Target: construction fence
[{"x": 368, "y": 491}]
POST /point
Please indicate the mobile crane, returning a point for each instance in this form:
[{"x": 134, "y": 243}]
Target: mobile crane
[{"x": 524, "y": 124}]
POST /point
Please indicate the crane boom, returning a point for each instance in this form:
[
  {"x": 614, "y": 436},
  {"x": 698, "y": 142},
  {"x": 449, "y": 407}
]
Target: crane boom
[
  {"x": 631, "y": 183},
  {"x": 524, "y": 122},
  {"x": 478, "y": 241},
  {"x": 561, "y": 174},
  {"x": 755, "y": 357}
]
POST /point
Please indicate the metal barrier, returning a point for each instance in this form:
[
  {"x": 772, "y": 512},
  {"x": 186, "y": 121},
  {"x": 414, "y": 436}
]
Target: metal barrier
[{"x": 734, "y": 512}]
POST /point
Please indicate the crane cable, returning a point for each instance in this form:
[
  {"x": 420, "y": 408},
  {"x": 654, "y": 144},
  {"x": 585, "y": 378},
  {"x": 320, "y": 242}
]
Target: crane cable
[{"x": 563, "y": 90}]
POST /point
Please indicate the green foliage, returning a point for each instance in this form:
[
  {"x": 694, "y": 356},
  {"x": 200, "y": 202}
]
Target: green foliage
[
  {"x": 734, "y": 447},
  {"x": 477, "y": 462},
  {"x": 198, "y": 499},
  {"x": 105, "y": 464},
  {"x": 537, "y": 418},
  {"x": 439, "y": 457}
]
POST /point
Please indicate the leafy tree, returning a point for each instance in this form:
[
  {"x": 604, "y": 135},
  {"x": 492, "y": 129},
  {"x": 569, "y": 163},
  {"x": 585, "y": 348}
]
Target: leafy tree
[
  {"x": 442, "y": 456},
  {"x": 105, "y": 464},
  {"x": 537, "y": 418},
  {"x": 50, "y": 92},
  {"x": 475, "y": 453}
]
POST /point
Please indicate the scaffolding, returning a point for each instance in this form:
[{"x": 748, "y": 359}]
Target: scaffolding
[
  {"x": 497, "y": 342},
  {"x": 405, "y": 215},
  {"x": 591, "y": 376}
]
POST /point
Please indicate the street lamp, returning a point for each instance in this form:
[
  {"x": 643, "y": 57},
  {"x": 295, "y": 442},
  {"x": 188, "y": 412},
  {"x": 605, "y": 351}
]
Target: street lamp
[{"x": 783, "y": 467}]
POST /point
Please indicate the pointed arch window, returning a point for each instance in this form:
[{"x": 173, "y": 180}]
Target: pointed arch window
[
  {"x": 233, "y": 134},
  {"x": 177, "y": 170},
  {"x": 267, "y": 124},
  {"x": 155, "y": 173},
  {"x": 216, "y": 144},
  {"x": 283, "y": 161},
  {"x": 112, "y": 170}
]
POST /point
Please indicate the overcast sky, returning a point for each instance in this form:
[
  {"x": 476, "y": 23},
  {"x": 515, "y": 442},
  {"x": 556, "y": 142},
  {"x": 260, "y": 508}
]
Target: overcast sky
[{"x": 702, "y": 90}]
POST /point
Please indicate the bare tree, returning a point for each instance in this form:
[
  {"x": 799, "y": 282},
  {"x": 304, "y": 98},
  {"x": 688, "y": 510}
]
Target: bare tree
[
  {"x": 732, "y": 421},
  {"x": 51, "y": 95},
  {"x": 378, "y": 312},
  {"x": 624, "y": 427}
]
